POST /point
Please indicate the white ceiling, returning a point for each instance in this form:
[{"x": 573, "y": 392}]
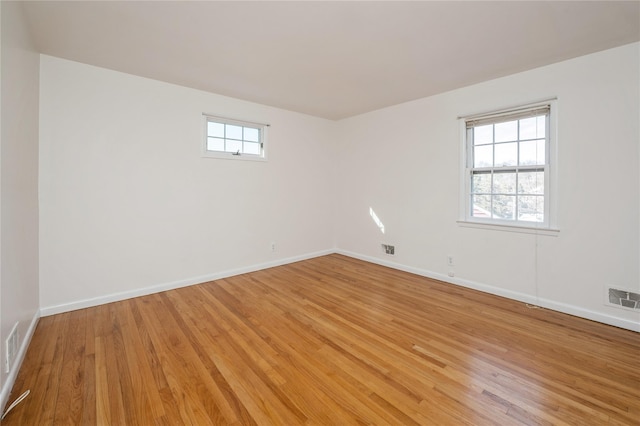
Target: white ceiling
[{"x": 328, "y": 59}]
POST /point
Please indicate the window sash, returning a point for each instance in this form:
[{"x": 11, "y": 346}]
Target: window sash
[
  {"x": 234, "y": 138},
  {"x": 518, "y": 195}
]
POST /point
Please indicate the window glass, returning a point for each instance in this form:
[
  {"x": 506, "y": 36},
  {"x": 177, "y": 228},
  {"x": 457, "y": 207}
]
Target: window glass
[
  {"x": 506, "y": 132},
  {"x": 483, "y": 156},
  {"x": 233, "y": 132},
  {"x": 251, "y": 134},
  {"x": 483, "y": 134},
  {"x": 506, "y": 154}
]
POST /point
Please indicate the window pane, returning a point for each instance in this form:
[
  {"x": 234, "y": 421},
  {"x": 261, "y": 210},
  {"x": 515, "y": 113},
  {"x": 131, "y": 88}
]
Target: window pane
[
  {"x": 531, "y": 183},
  {"x": 252, "y": 148},
  {"x": 541, "y": 123},
  {"x": 251, "y": 134},
  {"x": 506, "y": 154},
  {"x": 234, "y": 132},
  {"x": 533, "y": 128},
  {"x": 528, "y": 128},
  {"x": 531, "y": 208},
  {"x": 215, "y": 129},
  {"x": 233, "y": 146},
  {"x": 532, "y": 153},
  {"x": 504, "y": 183},
  {"x": 507, "y": 131},
  {"x": 483, "y": 156},
  {"x": 481, "y": 206},
  {"x": 215, "y": 144},
  {"x": 503, "y": 207},
  {"x": 483, "y": 134},
  {"x": 481, "y": 182}
]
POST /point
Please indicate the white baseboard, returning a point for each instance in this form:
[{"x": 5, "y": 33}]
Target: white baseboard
[
  {"x": 115, "y": 297},
  {"x": 13, "y": 373},
  {"x": 522, "y": 297}
]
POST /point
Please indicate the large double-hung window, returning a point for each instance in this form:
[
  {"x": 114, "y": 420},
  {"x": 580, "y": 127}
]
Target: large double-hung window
[{"x": 508, "y": 159}]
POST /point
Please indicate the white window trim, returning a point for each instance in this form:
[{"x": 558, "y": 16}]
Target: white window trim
[
  {"x": 550, "y": 227},
  {"x": 229, "y": 155}
]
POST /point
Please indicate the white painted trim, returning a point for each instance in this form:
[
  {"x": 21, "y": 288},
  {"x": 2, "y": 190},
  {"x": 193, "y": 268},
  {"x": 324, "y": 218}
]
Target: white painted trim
[
  {"x": 115, "y": 297},
  {"x": 509, "y": 228},
  {"x": 13, "y": 373},
  {"x": 550, "y": 224},
  {"x": 522, "y": 297}
]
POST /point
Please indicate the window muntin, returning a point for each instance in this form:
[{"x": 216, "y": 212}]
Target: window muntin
[
  {"x": 507, "y": 167},
  {"x": 226, "y": 138}
]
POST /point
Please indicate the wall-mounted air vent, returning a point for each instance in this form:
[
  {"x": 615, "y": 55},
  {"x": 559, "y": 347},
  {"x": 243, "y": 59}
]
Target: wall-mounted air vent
[
  {"x": 11, "y": 348},
  {"x": 623, "y": 298}
]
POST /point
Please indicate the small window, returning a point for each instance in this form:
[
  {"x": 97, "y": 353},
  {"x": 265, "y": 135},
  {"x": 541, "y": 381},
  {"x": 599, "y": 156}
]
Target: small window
[
  {"x": 508, "y": 173},
  {"x": 226, "y": 138}
]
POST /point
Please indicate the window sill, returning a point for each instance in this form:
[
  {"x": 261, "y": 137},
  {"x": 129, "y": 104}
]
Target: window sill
[
  {"x": 230, "y": 156},
  {"x": 552, "y": 232}
]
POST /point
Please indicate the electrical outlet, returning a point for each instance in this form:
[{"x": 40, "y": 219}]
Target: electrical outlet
[
  {"x": 450, "y": 260},
  {"x": 389, "y": 249},
  {"x": 273, "y": 246}
]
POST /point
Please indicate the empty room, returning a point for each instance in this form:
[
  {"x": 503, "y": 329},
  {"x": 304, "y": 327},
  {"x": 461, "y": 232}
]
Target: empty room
[{"x": 320, "y": 212}]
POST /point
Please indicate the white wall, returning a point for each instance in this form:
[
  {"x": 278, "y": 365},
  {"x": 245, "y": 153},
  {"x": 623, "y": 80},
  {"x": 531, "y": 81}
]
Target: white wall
[
  {"x": 128, "y": 205},
  {"x": 18, "y": 188},
  {"x": 403, "y": 162}
]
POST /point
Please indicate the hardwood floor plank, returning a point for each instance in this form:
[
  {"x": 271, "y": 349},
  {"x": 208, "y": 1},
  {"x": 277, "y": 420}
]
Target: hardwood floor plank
[
  {"x": 47, "y": 383},
  {"x": 271, "y": 393},
  {"x": 217, "y": 387},
  {"x": 134, "y": 363},
  {"x": 71, "y": 391},
  {"x": 103, "y": 406},
  {"x": 177, "y": 363},
  {"x": 327, "y": 341}
]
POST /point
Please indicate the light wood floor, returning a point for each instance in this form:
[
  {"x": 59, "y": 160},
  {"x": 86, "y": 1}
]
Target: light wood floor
[{"x": 327, "y": 341}]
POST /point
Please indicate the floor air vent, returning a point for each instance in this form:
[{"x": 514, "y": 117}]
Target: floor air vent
[{"x": 624, "y": 298}]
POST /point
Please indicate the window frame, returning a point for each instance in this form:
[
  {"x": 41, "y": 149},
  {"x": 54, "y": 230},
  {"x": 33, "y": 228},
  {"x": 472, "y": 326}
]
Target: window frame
[
  {"x": 467, "y": 168},
  {"x": 229, "y": 155}
]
